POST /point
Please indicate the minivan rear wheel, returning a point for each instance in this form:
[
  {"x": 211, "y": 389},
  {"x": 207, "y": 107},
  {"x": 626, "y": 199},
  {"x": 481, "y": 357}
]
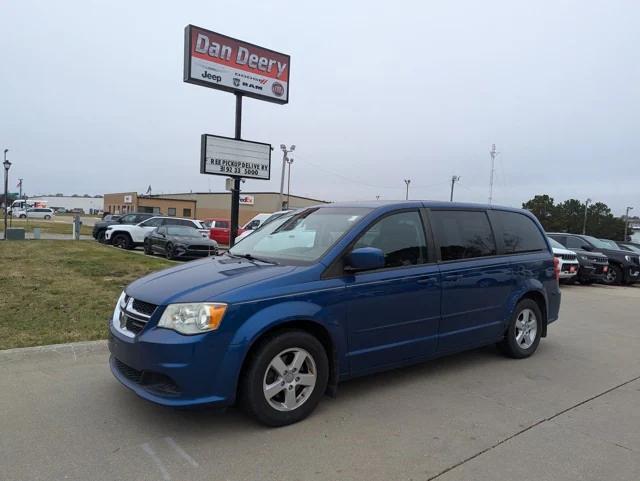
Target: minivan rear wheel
[
  {"x": 523, "y": 335},
  {"x": 285, "y": 378}
]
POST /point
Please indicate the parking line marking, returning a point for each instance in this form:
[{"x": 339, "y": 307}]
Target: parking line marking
[
  {"x": 152, "y": 454},
  {"x": 171, "y": 442}
]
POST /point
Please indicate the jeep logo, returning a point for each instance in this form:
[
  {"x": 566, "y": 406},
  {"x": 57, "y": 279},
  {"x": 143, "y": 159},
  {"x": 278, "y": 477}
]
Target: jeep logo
[{"x": 208, "y": 76}]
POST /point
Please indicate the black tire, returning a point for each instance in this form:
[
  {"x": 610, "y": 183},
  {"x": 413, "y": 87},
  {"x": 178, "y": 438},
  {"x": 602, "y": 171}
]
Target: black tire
[
  {"x": 252, "y": 397},
  {"x": 100, "y": 238},
  {"x": 47, "y": 217},
  {"x": 22, "y": 216},
  {"x": 614, "y": 276},
  {"x": 168, "y": 252},
  {"x": 147, "y": 248},
  {"x": 513, "y": 347},
  {"x": 122, "y": 240}
]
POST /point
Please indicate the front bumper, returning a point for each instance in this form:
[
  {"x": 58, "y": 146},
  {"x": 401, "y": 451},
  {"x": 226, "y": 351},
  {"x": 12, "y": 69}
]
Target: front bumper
[
  {"x": 632, "y": 274},
  {"x": 593, "y": 272},
  {"x": 171, "y": 369},
  {"x": 184, "y": 252}
]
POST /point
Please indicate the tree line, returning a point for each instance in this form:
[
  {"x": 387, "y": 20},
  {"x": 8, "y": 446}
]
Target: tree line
[{"x": 568, "y": 216}]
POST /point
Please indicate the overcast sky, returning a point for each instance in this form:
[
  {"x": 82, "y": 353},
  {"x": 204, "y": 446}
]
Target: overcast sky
[{"x": 92, "y": 98}]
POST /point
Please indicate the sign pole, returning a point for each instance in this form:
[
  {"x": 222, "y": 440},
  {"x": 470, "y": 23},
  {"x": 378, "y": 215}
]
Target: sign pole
[{"x": 235, "y": 193}]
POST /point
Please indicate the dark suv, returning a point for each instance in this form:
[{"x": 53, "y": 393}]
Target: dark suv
[
  {"x": 129, "y": 219},
  {"x": 624, "y": 266}
]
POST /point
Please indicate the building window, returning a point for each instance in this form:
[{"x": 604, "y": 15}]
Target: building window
[
  {"x": 171, "y": 211},
  {"x": 186, "y": 212}
]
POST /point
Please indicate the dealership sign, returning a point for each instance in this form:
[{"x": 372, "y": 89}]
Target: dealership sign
[
  {"x": 224, "y": 63},
  {"x": 234, "y": 158}
]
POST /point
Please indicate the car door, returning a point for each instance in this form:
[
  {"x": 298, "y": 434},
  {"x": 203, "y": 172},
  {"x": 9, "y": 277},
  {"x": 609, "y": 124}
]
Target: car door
[
  {"x": 158, "y": 239},
  {"x": 143, "y": 228},
  {"x": 475, "y": 282},
  {"x": 393, "y": 313}
]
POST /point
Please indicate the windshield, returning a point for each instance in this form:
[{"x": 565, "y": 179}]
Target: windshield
[
  {"x": 611, "y": 244},
  {"x": 633, "y": 248},
  {"x": 183, "y": 231},
  {"x": 300, "y": 237},
  {"x": 598, "y": 243},
  {"x": 555, "y": 244}
]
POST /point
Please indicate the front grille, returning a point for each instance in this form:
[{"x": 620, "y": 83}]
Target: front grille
[
  {"x": 569, "y": 257},
  {"x": 151, "y": 381},
  {"x": 200, "y": 248},
  {"x": 598, "y": 260},
  {"x": 144, "y": 307},
  {"x": 130, "y": 373}
]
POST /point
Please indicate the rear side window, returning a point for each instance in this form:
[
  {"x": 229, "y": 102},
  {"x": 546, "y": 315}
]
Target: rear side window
[
  {"x": 400, "y": 237},
  {"x": 574, "y": 243},
  {"x": 463, "y": 234},
  {"x": 519, "y": 233}
]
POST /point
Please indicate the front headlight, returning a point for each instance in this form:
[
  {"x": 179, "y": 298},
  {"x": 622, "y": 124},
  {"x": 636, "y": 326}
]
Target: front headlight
[
  {"x": 627, "y": 258},
  {"x": 193, "y": 318},
  {"x": 582, "y": 258}
]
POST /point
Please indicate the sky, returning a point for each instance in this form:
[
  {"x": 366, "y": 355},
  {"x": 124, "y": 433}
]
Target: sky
[{"x": 92, "y": 98}]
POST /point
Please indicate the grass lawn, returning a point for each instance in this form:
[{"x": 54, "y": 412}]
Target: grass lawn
[
  {"x": 46, "y": 226},
  {"x": 63, "y": 291}
]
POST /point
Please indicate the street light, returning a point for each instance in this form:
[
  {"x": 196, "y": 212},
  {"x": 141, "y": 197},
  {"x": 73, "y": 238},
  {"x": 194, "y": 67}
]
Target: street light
[
  {"x": 285, "y": 151},
  {"x": 584, "y": 223},
  {"x": 626, "y": 223},
  {"x": 7, "y": 165},
  {"x": 289, "y": 162},
  {"x": 407, "y": 181}
]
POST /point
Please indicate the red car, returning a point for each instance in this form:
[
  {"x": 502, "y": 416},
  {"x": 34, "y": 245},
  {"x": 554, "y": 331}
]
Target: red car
[{"x": 219, "y": 230}]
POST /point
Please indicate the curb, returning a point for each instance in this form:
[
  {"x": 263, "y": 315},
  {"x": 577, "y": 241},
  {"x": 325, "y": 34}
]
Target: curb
[{"x": 72, "y": 349}]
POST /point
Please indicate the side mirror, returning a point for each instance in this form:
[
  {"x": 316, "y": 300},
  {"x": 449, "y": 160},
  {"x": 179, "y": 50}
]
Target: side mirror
[
  {"x": 587, "y": 247},
  {"x": 364, "y": 259}
]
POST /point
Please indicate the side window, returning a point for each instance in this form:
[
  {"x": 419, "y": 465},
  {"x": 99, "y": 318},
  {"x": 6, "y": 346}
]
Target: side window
[
  {"x": 223, "y": 224},
  {"x": 162, "y": 230},
  {"x": 519, "y": 233},
  {"x": 153, "y": 222},
  {"x": 574, "y": 243},
  {"x": 401, "y": 238},
  {"x": 128, "y": 219},
  {"x": 186, "y": 223},
  {"x": 463, "y": 234}
]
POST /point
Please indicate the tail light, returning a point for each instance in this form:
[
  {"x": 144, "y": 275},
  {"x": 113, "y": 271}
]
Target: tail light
[{"x": 556, "y": 268}]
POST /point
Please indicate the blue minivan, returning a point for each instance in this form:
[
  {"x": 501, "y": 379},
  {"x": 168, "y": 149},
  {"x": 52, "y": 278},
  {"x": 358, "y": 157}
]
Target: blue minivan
[{"x": 331, "y": 292}]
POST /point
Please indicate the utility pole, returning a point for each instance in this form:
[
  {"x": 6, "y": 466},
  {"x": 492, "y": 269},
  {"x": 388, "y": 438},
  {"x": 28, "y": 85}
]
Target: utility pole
[
  {"x": 285, "y": 151},
  {"x": 407, "y": 181},
  {"x": 626, "y": 223},
  {"x": 493, "y": 154},
  {"x": 20, "y": 184},
  {"x": 289, "y": 162},
  {"x": 454, "y": 179},
  {"x": 584, "y": 223},
  {"x": 6, "y": 164}
]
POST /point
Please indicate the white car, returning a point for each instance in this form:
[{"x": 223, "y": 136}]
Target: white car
[
  {"x": 35, "y": 213},
  {"x": 569, "y": 264},
  {"x": 258, "y": 221},
  {"x": 130, "y": 236}
]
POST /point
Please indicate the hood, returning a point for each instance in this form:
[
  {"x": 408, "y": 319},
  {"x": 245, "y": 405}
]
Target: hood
[
  {"x": 190, "y": 240},
  {"x": 209, "y": 279}
]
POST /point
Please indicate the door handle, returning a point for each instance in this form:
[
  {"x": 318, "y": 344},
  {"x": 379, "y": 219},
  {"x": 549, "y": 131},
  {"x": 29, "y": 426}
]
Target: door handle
[{"x": 453, "y": 277}]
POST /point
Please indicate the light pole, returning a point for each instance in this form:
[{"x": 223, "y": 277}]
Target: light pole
[
  {"x": 454, "y": 179},
  {"x": 584, "y": 223},
  {"x": 289, "y": 162},
  {"x": 285, "y": 151},
  {"x": 626, "y": 223},
  {"x": 6, "y": 164},
  {"x": 407, "y": 181}
]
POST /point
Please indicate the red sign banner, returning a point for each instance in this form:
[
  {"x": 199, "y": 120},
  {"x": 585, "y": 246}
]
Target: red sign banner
[{"x": 220, "y": 62}]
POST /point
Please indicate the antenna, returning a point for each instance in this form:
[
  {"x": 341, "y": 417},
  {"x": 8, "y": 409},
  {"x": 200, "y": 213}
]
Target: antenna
[{"x": 493, "y": 154}]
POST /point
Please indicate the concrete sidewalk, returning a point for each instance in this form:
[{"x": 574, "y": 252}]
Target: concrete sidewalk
[{"x": 571, "y": 412}]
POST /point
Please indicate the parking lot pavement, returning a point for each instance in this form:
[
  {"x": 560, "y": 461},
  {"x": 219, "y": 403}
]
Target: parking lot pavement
[{"x": 568, "y": 413}]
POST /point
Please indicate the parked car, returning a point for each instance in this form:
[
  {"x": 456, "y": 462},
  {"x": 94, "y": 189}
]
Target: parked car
[
  {"x": 252, "y": 226},
  {"x": 36, "y": 213},
  {"x": 178, "y": 241},
  {"x": 100, "y": 228},
  {"x": 277, "y": 321},
  {"x": 220, "y": 230},
  {"x": 131, "y": 236},
  {"x": 624, "y": 267},
  {"x": 568, "y": 261}
]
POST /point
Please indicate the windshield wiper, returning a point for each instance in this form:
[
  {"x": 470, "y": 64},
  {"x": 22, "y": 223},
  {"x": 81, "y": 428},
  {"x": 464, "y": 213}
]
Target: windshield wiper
[{"x": 251, "y": 257}]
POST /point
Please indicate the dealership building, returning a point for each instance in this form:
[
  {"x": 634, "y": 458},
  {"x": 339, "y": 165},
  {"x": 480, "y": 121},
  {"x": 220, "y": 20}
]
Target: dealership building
[{"x": 202, "y": 205}]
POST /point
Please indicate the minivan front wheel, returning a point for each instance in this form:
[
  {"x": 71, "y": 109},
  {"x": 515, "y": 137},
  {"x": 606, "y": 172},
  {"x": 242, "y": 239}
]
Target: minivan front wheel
[
  {"x": 523, "y": 335},
  {"x": 286, "y": 376}
]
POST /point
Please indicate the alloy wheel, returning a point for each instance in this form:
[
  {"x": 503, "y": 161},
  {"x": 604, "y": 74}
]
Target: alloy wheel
[
  {"x": 526, "y": 328},
  {"x": 289, "y": 380}
]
